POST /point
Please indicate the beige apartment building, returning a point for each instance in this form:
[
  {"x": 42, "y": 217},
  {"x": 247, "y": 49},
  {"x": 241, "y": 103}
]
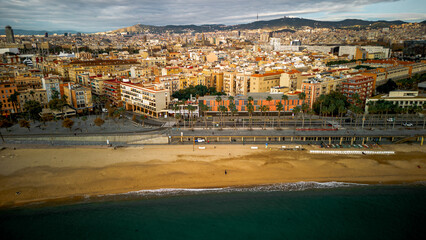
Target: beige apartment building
[
  {"x": 38, "y": 95},
  {"x": 97, "y": 84},
  {"x": 292, "y": 80},
  {"x": 79, "y": 97},
  {"x": 264, "y": 82},
  {"x": 235, "y": 83},
  {"x": 146, "y": 100}
]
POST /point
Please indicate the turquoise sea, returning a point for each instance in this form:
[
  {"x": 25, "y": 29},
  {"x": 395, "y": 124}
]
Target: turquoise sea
[{"x": 282, "y": 211}]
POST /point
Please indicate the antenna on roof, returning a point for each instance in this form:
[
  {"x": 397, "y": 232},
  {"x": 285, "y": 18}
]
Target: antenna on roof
[{"x": 257, "y": 16}]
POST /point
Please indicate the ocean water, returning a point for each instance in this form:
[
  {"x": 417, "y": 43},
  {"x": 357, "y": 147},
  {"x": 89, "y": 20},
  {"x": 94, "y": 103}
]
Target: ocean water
[{"x": 281, "y": 211}]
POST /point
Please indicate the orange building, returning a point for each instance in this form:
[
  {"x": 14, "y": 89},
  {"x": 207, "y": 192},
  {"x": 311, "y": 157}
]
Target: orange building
[{"x": 8, "y": 88}]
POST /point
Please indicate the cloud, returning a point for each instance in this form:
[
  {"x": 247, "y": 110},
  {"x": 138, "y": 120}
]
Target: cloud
[{"x": 101, "y": 15}]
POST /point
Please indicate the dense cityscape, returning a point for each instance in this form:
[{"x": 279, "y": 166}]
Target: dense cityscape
[
  {"x": 180, "y": 75},
  {"x": 285, "y": 128}
]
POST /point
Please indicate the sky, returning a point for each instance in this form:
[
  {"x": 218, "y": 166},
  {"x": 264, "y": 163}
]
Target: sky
[{"x": 104, "y": 15}]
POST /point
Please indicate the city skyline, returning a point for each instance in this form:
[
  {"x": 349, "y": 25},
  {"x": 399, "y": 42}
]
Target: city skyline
[{"x": 99, "y": 15}]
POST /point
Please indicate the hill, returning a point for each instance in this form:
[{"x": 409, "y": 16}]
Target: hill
[{"x": 275, "y": 24}]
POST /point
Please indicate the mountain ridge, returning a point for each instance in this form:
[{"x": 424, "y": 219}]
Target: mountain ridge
[{"x": 274, "y": 24}]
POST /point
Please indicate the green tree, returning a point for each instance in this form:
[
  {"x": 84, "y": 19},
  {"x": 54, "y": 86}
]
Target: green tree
[
  {"x": 250, "y": 109},
  {"x": 13, "y": 98},
  {"x": 191, "y": 109},
  {"x": 222, "y": 110},
  {"x": 4, "y": 123},
  {"x": 279, "y": 107},
  {"x": 33, "y": 108},
  {"x": 203, "y": 109},
  {"x": 264, "y": 109},
  {"x": 296, "y": 111}
]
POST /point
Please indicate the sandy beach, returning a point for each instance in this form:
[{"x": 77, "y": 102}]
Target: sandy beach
[{"x": 40, "y": 174}]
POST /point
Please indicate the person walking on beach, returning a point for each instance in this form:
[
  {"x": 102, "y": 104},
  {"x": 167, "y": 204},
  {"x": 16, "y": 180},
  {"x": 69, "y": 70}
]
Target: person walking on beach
[{"x": 226, "y": 172}]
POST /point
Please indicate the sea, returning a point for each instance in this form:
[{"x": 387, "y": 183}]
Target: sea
[{"x": 303, "y": 210}]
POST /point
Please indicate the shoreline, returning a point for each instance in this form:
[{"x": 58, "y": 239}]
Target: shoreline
[{"x": 61, "y": 173}]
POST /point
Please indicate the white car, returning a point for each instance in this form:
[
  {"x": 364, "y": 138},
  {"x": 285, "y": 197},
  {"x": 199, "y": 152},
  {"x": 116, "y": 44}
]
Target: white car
[
  {"x": 407, "y": 124},
  {"x": 390, "y": 119},
  {"x": 200, "y": 140}
]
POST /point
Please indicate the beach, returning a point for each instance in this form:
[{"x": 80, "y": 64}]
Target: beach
[{"x": 29, "y": 175}]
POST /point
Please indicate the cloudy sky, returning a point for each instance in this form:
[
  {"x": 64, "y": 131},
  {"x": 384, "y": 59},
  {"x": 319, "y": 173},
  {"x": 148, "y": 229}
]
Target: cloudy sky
[{"x": 103, "y": 15}]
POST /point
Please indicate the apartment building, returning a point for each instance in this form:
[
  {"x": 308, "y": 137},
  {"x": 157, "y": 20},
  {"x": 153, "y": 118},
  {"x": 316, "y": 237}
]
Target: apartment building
[
  {"x": 360, "y": 84},
  {"x": 264, "y": 82},
  {"x": 146, "y": 100},
  {"x": 7, "y": 88},
  {"x": 291, "y": 79},
  {"x": 23, "y": 83},
  {"x": 97, "y": 84},
  {"x": 51, "y": 84},
  {"x": 315, "y": 87},
  {"x": 236, "y": 83},
  {"x": 112, "y": 91},
  {"x": 79, "y": 97},
  {"x": 170, "y": 82},
  {"x": 38, "y": 95}
]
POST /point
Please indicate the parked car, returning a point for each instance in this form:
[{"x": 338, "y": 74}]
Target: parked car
[
  {"x": 390, "y": 119},
  {"x": 407, "y": 124},
  {"x": 200, "y": 140}
]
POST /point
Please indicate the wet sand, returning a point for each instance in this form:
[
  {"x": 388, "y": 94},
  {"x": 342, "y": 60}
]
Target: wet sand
[{"x": 43, "y": 174}]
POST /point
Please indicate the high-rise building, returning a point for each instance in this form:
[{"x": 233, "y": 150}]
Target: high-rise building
[
  {"x": 46, "y": 34},
  {"x": 10, "y": 38}
]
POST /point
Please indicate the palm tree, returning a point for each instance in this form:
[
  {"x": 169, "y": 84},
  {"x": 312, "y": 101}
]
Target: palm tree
[
  {"x": 13, "y": 98},
  {"x": 191, "y": 109},
  {"x": 304, "y": 109},
  {"x": 285, "y": 99},
  {"x": 203, "y": 109},
  {"x": 269, "y": 99},
  {"x": 219, "y": 101},
  {"x": 177, "y": 116},
  {"x": 295, "y": 110},
  {"x": 279, "y": 107},
  {"x": 222, "y": 110},
  {"x": 264, "y": 109},
  {"x": 233, "y": 109},
  {"x": 250, "y": 109}
]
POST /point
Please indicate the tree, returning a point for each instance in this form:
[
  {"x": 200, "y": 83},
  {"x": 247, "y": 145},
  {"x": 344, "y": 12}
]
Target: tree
[
  {"x": 304, "y": 107},
  {"x": 99, "y": 121},
  {"x": 250, "y": 109},
  {"x": 285, "y": 99},
  {"x": 55, "y": 94},
  {"x": 191, "y": 109},
  {"x": 387, "y": 87},
  {"x": 264, "y": 109},
  {"x": 233, "y": 109},
  {"x": 295, "y": 110},
  {"x": 13, "y": 98},
  {"x": 203, "y": 109},
  {"x": 67, "y": 123},
  {"x": 25, "y": 124},
  {"x": 143, "y": 118},
  {"x": 279, "y": 107},
  {"x": 329, "y": 101},
  {"x": 222, "y": 110},
  {"x": 269, "y": 99},
  {"x": 4, "y": 123},
  {"x": 33, "y": 108}
]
